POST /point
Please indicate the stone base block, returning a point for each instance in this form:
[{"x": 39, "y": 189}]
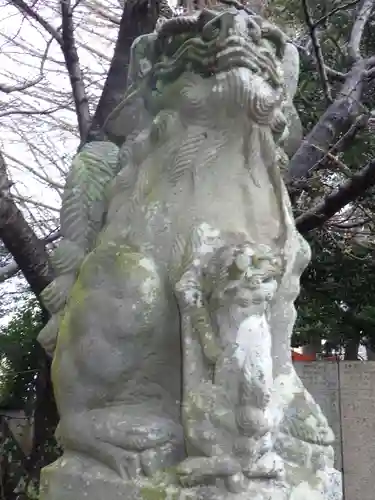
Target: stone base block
[{"x": 79, "y": 478}]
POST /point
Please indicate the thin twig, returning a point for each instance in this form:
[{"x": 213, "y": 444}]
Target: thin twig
[
  {"x": 332, "y": 73},
  {"x": 339, "y": 164},
  {"x": 345, "y": 227},
  {"x": 318, "y": 52},
  {"x": 339, "y": 8},
  {"x": 359, "y": 124},
  {"x": 26, "y": 9},
  {"x": 7, "y": 89},
  {"x": 30, "y": 112},
  {"x": 39, "y": 204}
]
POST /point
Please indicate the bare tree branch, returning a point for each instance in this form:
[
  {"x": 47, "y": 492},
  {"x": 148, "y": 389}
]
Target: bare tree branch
[
  {"x": 36, "y": 203},
  {"x": 328, "y": 157},
  {"x": 75, "y": 74},
  {"x": 349, "y": 191},
  {"x": 137, "y": 19},
  {"x": 359, "y": 124},
  {"x": 318, "y": 52},
  {"x": 30, "y": 112},
  {"x": 336, "y": 120},
  {"x": 371, "y": 73},
  {"x": 12, "y": 268},
  {"x": 342, "y": 114},
  {"x": 95, "y": 7},
  {"x": 357, "y": 31},
  {"x": 332, "y": 74},
  {"x": 26, "y": 9},
  {"x": 347, "y": 226},
  {"x": 7, "y": 89},
  {"x": 68, "y": 47},
  {"x": 339, "y": 8},
  {"x": 58, "y": 186},
  {"x": 20, "y": 240},
  {"x": 8, "y": 271}
]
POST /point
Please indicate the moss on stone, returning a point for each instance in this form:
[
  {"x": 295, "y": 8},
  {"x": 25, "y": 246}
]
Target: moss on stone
[
  {"x": 298, "y": 475},
  {"x": 77, "y": 297},
  {"x": 164, "y": 485},
  {"x": 153, "y": 493}
]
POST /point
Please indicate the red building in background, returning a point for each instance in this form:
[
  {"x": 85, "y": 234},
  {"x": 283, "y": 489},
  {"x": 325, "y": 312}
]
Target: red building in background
[{"x": 297, "y": 356}]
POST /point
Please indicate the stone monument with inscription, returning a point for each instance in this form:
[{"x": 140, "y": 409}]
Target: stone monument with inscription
[{"x": 180, "y": 262}]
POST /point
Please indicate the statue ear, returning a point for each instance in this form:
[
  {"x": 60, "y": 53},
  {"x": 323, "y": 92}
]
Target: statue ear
[
  {"x": 141, "y": 55},
  {"x": 133, "y": 117},
  {"x": 290, "y": 65}
]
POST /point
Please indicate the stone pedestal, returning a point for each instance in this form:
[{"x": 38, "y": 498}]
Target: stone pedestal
[{"x": 75, "y": 478}]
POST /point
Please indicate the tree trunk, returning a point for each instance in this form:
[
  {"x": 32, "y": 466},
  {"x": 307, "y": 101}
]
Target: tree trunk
[
  {"x": 27, "y": 249},
  {"x": 137, "y": 19},
  {"x": 45, "y": 420},
  {"x": 351, "y": 350},
  {"x": 337, "y": 119},
  {"x": 370, "y": 353}
]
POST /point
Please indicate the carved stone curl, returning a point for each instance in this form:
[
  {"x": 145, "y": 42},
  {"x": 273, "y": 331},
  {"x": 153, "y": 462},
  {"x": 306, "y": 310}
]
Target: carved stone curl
[{"x": 179, "y": 266}]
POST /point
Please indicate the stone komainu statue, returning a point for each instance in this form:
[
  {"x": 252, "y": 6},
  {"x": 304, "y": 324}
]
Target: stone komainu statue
[{"x": 179, "y": 265}]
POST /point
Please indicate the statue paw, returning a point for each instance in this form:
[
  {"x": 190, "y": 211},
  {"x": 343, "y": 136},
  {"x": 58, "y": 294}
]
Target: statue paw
[
  {"x": 236, "y": 483},
  {"x": 269, "y": 466},
  {"x": 160, "y": 458},
  {"x": 129, "y": 464},
  {"x": 126, "y": 464},
  {"x": 132, "y": 464},
  {"x": 205, "y": 470}
]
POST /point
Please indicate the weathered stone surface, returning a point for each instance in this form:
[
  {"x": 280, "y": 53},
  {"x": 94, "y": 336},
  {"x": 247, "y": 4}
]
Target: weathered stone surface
[
  {"x": 357, "y": 413},
  {"x": 172, "y": 368},
  {"x": 321, "y": 379}
]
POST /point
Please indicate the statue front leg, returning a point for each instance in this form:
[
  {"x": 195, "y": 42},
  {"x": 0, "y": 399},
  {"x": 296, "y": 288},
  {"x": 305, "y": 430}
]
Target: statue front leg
[
  {"x": 117, "y": 348},
  {"x": 126, "y": 443}
]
